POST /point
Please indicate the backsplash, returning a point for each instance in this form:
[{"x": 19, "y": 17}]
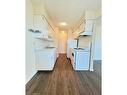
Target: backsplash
[{"x": 85, "y": 41}]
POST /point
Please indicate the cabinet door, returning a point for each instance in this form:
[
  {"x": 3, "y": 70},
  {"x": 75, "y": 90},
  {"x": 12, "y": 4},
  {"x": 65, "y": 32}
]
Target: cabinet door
[
  {"x": 89, "y": 26},
  {"x": 44, "y": 60},
  {"x": 90, "y": 15},
  {"x": 40, "y": 24},
  {"x": 82, "y": 61}
]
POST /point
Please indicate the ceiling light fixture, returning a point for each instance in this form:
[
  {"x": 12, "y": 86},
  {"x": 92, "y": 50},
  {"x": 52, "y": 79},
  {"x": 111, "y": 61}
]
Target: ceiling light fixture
[{"x": 63, "y": 23}]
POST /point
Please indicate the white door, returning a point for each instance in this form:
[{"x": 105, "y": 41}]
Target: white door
[{"x": 62, "y": 42}]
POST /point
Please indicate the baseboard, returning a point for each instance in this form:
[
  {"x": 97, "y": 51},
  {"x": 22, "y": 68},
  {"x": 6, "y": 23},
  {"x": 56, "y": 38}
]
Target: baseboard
[
  {"x": 97, "y": 61},
  {"x": 31, "y": 77},
  {"x": 29, "y": 83}
]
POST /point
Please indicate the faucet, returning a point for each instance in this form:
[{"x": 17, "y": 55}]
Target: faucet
[{"x": 77, "y": 42}]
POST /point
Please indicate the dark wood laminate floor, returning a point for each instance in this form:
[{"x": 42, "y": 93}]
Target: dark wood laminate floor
[{"x": 63, "y": 80}]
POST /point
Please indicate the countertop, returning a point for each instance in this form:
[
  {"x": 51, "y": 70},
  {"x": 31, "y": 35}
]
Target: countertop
[{"x": 82, "y": 49}]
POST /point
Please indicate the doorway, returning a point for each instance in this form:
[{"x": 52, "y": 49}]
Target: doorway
[{"x": 62, "y": 42}]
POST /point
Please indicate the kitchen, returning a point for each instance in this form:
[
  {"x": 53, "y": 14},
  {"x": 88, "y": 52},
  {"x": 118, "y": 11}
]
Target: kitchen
[
  {"x": 55, "y": 39},
  {"x": 24, "y": 47}
]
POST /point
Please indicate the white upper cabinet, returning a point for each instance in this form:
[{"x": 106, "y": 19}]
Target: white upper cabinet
[
  {"x": 40, "y": 27},
  {"x": 40, "y": 23},
  {"x": 90, "y": 15},
  {"x": 88, "y": 27}
]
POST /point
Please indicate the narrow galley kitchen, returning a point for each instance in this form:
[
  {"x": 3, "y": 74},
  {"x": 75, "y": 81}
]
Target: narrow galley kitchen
[{"x": 63, "y": 47}]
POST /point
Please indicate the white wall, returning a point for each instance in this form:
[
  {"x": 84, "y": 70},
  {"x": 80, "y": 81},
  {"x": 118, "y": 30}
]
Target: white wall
[
  {"x": 30, "y": 58},
  {"x": 97, "y": 39}
]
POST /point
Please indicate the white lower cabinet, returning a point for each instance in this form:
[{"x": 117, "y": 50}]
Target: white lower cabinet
[
  {"x": 80, "y": 59},
  {"x": 45, "y": 60}
]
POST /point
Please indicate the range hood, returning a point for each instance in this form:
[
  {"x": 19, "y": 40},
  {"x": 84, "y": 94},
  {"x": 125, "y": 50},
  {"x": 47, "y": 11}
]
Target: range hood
[{"x": 85, "y": 33}]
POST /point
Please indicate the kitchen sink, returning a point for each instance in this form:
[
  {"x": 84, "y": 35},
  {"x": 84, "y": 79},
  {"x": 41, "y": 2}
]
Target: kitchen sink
[
  {"x": 79, "y": 48},
  {"x": 49, "y": 47}
]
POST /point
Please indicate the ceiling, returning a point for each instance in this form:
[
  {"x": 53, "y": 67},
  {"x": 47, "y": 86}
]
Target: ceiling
[{"x": 69, "y": 11}]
